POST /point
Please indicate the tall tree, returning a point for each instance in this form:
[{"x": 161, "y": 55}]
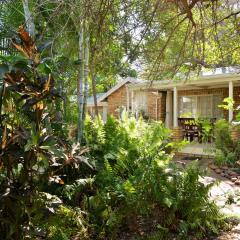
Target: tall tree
[
  {"x": 28, "y": 18},
  {"x": 80, "y": 83}
]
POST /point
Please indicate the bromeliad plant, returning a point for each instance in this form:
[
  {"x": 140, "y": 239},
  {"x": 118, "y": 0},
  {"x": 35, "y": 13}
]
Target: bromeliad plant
[{"x": 30, "y": 152}]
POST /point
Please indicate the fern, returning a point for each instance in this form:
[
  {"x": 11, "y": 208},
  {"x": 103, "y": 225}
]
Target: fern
[{"x": 136, "y": 177}]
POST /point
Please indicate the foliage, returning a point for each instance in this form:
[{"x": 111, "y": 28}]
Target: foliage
[
  {"x": 58, "y": 223},
  {"x": 228, "y": 103},
  {"x": 30, "y": 148},
  {"x": 188, "y": 35},
  {"x": 228, "y": 151},
  {"x": 125, "y": 173},
  {"x": 137, "y": 180},
  {"x": 204, "y": 125},
  {"x": 222, "y": 134},
  {"x": 206, "y": 129}
]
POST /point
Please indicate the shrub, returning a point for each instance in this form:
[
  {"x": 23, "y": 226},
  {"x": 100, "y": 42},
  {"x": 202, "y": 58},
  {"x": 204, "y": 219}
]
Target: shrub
[
  {"x": 223, "y": 139},
  {"x": 228, "y": 151},
  {"x": 220, "y": 158},
  {"x": 31, "y": 151},
  {"x": 57, "y": 221},
  {"x": 66, "y": 223},
  {"x": 136, "y": 179}
]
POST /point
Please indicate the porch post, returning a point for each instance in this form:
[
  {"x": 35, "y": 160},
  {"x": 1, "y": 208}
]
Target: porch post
[
  {"x": 127, "y": 93},
  {"x": 132, "y": 102},
  {"x": 230, "y": 95},
  {"x": 175, "y": 107},
  {"x": 104, "y": 113},
  {"x": 168, "y": 122}
]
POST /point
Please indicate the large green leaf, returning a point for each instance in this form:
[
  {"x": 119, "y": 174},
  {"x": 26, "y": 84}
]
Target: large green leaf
[{"x": 20, "y": 64}]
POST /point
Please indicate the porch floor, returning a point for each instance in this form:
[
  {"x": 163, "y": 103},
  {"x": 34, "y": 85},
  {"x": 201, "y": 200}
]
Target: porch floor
[{"x": 203, "y": 149}]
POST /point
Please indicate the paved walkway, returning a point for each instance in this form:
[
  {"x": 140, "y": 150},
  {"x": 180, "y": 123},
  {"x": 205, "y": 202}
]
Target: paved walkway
[
  {"x": 194, "y": 148},
  {"x": 225, "y": 194}
]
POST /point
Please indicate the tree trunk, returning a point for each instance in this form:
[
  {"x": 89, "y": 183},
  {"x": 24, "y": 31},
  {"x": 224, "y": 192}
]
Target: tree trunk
[
  {"x": 94, "y": 94},
  {"x": 28, "y": 19},
  {"x": 65, "y": 102},
  {"x": 2, "y": 90},
  {"x": 86, "y": 71},
  {"x": 80, "y": 84}
]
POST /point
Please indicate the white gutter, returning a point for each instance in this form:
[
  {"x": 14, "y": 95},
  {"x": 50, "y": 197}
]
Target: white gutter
[{"x": 169, "y": 84}]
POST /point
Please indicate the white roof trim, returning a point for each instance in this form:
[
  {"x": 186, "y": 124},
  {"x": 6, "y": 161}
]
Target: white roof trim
[
  {"x": 115, "y": 88},
  {"x": 204, "y": 80}
]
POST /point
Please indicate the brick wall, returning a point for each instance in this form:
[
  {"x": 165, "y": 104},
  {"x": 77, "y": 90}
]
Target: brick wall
[
  {"x": 217, "y": 91},
  {"x": 156, "y": 106},
  {"x": 117, "y": 100},
  {"x": 151, "y": 105},
  {"x": 161, "y": 110}
]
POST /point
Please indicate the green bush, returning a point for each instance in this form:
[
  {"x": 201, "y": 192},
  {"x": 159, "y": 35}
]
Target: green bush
[
  {"x": 57, "y": 221},
  {"x": 227, "y": 150},
  {"x": 220, "y": 158},
  {"x": 66, "y": 223},
  {"x": 137, "y": 179},
  {"x": 223, "y": 139}
]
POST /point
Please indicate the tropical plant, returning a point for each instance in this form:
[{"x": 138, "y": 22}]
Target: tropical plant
[
  {"x": 206, "y": 129},
  {"x": 58, "y": 223},
  {"x": 31, "y": 152},
  {"x": 137, "y": 180},
  {"x": 228, "y": 151}
]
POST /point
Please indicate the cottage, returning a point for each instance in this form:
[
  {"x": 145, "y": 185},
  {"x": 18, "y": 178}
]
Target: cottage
[{"x": 173, "y": 101}]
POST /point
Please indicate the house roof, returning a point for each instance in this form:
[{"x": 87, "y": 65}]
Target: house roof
[
  {"x": 101, "y": 97},
  {"x": 116, "y": 87},
  {"x": 211, "y": 78},
  {"x": 205, "y": 79},
  {"x": 90, "y": 100}
]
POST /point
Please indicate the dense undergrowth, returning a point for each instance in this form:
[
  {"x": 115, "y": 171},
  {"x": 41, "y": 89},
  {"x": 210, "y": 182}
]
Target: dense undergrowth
[
  {"x": 121, "y": 183},
  {"x": 137, "y": 179},
  {"x": 132, "y": 190},
  {"x": 227, "y": 148}
]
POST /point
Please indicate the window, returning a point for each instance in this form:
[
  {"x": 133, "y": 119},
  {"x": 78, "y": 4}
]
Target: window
[
  {"x": 205, "y": 106},
  {"x": 187, "y": 107},
  {"x": 140, "y": 101},
  {"x": 200, "y": 106}
]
